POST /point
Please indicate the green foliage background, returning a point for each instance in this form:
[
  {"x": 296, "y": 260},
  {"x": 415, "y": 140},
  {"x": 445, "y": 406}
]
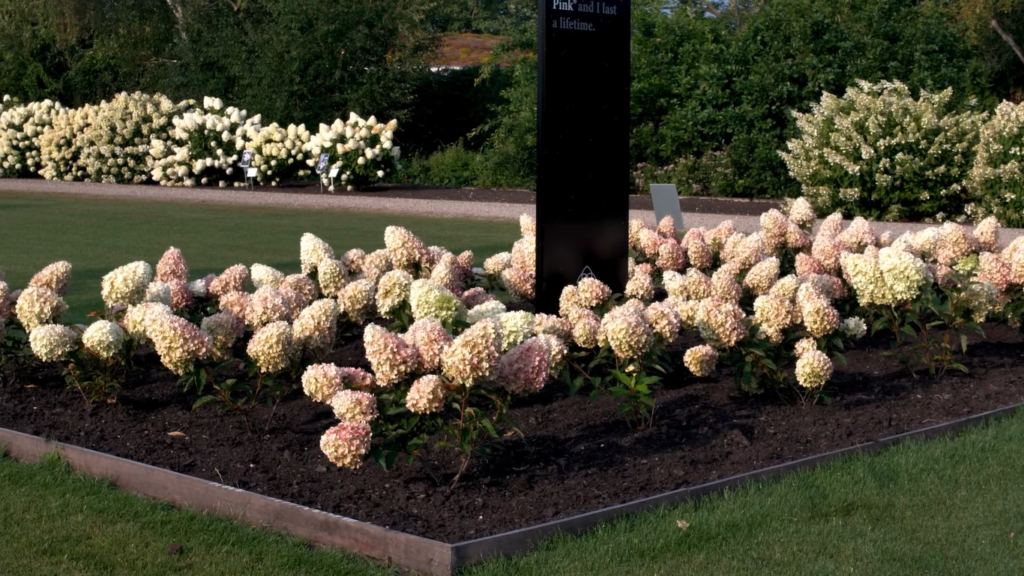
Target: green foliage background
[{"x": 713, "y": 83}]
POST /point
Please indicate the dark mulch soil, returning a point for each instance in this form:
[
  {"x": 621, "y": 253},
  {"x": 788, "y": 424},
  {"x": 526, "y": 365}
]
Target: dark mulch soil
[
  {"x": 688, "y": 204},
  {"x": 576, "y": 455}
]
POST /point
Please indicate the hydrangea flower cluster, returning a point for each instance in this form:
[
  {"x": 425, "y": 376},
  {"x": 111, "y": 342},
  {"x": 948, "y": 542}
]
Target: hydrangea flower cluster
[
  {"x": 813, "y": 369},
  {"x": 127, "y": 284},
  {"x": 426, "y": 395},
  {"x": 233, "y": 279},
  {"x": 53, "y": 277},
  {"x": 429, "y": 338},
  {"x": 224, "y": 330},
  {"x": 353, "y": 406},
  {"x": 103, "y": 338},
  {"x": 316, "y": 327},
  {"x": 38, "y": 306},
  {"x": 312, "y": 250},
  {"x": 390, "y": 357},
  {"x": 473, "y": 355},
  {"x": 52, "y": 342},
  {"x": 428, "y": 299},
  {"x": 627, "y": 332},
  {"x": 263, "y": 275},
  {"x": 272, "y": 347},
  {"x": 701, "y": 360},
  {"x": 525, "y": 368},
  {"x": 356, "y": 300},
  {"x": 393, "y": 290},
  {"x": 346, "y": 444},
  {"x": 178, "y": 342}
]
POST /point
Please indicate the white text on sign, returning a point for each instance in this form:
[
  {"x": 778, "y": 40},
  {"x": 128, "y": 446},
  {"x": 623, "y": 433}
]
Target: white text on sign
[{"x": 591, "y": 7}]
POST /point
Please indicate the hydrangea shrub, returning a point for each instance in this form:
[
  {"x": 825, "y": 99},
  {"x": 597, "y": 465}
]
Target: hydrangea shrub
[
  {"x": 880, "y": 153},
  {"x": 996, "y": 181}
]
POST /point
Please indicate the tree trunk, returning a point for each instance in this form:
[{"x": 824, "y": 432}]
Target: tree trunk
[
  {"x": 179, "y": 16},
  {"x": 1009, "y": 40}
]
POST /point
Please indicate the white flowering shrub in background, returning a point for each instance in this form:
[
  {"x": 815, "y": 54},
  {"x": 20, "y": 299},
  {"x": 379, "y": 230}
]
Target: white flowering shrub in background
[
  {"x": 21, "y": 126},
  {"x": 996, "y": 181},
  {"x": 58, "y": 146},
  {"x": 879, "y": 153},
  {"x": 204, "y": 146},
  {"x": 362, "y": 150},
  {"x": 137, "y": 138},
  {"x": 108, "y": 142},
  {"x": 278, "y": 152}
]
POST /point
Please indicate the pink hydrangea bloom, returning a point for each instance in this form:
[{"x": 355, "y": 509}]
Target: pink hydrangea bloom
[
  {"x": 346, "y": 444},
  {"x": 390, "y": 357},
  {"x": 172, "y": 266},
  {"x": 524, "y": 369}
]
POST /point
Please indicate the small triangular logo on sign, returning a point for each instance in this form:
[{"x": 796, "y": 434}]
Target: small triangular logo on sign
[{"x": 587, "y": 273}]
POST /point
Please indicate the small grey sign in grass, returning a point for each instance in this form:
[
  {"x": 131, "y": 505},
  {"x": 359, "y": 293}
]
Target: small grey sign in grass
[{"x": 666, "y": 203}]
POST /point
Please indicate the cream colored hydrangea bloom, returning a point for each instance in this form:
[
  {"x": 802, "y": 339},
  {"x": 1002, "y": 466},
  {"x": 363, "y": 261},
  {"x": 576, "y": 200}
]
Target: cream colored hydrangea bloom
[
  {"x": 103, "y": 338},
  {"x": 126, "y": 284},
  {"x": 52, "y": 342}
]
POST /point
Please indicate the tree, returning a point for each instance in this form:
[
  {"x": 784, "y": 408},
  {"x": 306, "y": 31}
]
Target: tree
[
  {"x": 995, "y": 29},
  {"x": 79, "y": 51}
]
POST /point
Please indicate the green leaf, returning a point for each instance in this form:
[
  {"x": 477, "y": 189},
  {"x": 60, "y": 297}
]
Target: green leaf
[
  {"x": 963, "y": 343},
  {"x": 204, "y": 401},
  {"x": 489, "y": 427},
  {"x": 878, "y": 325},
  {"x": 622, "y": 377}
]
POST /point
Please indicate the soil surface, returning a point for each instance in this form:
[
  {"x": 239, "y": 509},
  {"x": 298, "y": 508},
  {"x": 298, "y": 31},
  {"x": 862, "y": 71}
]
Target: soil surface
[
  {"x": 688, "y": 204},
  {"x": 576, "y": 455}
]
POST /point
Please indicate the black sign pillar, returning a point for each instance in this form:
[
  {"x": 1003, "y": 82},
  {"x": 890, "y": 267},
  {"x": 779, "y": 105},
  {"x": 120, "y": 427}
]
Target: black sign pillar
[{"x": 583, "y": 145}]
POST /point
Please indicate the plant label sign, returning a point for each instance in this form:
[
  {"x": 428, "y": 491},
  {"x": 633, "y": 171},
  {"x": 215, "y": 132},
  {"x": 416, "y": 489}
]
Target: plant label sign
[
  {"x": 321, "y": 165},
  {"x": 250, "y": 172},
  {"x": 583, "y": 144},
  {"x": 665, "y": 199},
  {"x": 333, "y": 174},
  {"x": 246, "y": 159}
]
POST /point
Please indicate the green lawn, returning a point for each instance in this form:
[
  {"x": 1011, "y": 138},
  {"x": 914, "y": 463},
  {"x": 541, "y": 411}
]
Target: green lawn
[
  {"x": 97, "y": 235},
  {"x": 948, "y": 506}
]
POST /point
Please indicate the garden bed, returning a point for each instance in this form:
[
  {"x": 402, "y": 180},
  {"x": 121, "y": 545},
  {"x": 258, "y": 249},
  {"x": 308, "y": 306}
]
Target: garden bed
[{"x": 576, "y": 455}]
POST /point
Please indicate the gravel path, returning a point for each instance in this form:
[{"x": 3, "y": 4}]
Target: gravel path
[{"x": 437, "y": 208}]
